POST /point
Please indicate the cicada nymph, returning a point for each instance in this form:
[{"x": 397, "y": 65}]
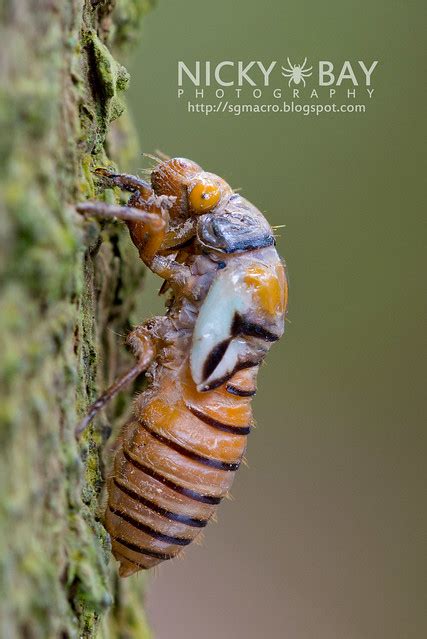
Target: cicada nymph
[{"x": 176, "y": 458}]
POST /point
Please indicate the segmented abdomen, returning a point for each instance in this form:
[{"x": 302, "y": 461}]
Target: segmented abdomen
[{"x": 176, "y": 461}]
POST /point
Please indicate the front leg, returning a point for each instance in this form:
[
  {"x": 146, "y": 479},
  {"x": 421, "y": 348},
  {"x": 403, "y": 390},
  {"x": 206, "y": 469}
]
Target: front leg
[
  {"x": 148, "y": 230},
  {"x": 125, "y": 182}
]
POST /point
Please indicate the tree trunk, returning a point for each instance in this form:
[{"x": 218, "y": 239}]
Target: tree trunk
[{"x": 68, "y": 289}]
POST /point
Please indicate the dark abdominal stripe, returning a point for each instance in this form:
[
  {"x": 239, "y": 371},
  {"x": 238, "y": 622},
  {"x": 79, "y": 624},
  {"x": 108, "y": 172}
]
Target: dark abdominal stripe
[
  {"x": 239, "y": 366},
  {"x": 183, "y": 519},
  {"x": 142, "y": 550},
  {"x": 207, "y": 461},
  {"x": 156, "y": 534},
  {"x": 215, "y": 423},
  {"x": 192, "y": 494},
  {"x": 240, "y": 392}
]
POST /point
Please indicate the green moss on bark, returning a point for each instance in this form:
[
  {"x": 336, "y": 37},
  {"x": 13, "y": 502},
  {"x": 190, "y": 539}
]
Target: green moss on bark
[{"x": 68, "y": 289}]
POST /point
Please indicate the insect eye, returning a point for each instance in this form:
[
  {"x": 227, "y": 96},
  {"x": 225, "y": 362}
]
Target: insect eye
[{"x": 203, "y": 197}]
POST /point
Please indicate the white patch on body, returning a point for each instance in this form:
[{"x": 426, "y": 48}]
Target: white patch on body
[{"x": 227, "y": 296}]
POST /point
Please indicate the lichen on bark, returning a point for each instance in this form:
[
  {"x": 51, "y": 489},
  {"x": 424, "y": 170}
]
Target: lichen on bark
[{"x": 68, "y": 291}]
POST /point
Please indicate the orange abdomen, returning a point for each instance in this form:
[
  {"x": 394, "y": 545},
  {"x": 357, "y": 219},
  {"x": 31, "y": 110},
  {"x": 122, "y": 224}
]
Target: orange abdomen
[{"x": 176, "y": 461}]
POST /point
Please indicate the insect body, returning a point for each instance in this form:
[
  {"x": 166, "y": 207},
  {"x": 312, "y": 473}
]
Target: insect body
[
  {"x": 177, "y": 456},
  {"x": 297, "y": 72}
]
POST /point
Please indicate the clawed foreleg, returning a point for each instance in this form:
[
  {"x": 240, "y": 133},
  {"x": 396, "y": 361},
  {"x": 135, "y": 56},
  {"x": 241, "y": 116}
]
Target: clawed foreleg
[{"x": 126, "y": 213}]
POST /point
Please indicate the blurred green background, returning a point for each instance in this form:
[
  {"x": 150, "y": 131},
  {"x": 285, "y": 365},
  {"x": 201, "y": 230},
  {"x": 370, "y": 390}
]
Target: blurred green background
[{"x": 326, "y": 537}]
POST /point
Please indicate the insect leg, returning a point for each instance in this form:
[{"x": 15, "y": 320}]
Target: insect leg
[
  {"x": 143, "y": 347},
  {"x": 126, "y": 213},
  {"x": 170, "y": 270},
  {"x": 180, "y": 275},
  {"x": 147, "y": 229},
  {"x": 126, "y": 182}
]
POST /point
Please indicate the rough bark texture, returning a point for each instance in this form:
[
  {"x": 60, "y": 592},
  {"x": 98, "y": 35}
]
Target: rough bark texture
[{"x": 67, "y": 296}]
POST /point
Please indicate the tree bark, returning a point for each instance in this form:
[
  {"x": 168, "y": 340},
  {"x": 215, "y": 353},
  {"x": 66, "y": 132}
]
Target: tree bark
[{"x": 68, "y": 292}]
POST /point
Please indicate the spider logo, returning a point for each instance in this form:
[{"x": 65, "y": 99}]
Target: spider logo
[{"x": 297, "y": 72}]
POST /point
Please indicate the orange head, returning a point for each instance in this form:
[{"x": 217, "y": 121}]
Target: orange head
[{"x": 196, "y": 191}]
